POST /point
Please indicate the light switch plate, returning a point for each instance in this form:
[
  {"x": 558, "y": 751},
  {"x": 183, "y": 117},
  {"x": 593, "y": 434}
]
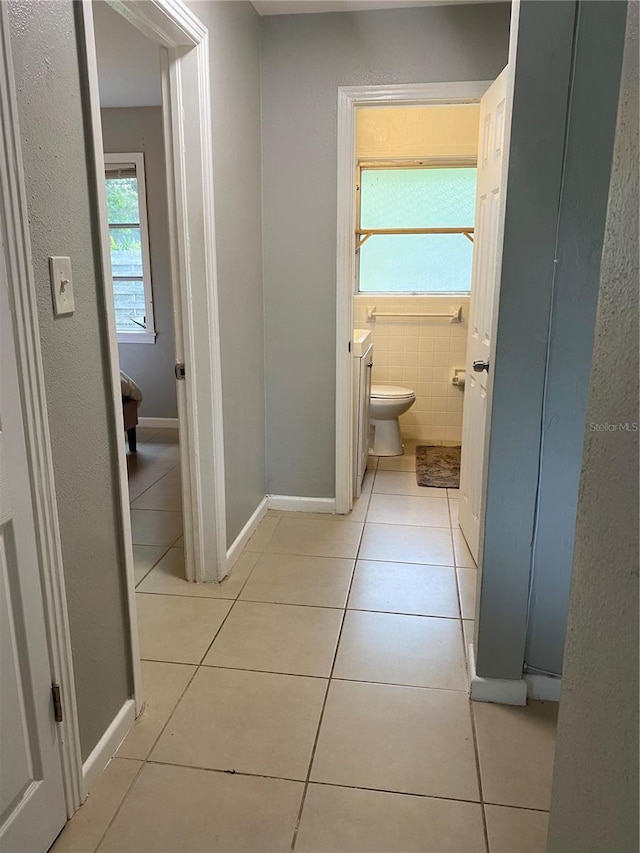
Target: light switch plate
[{"x": 61, "y": 286}]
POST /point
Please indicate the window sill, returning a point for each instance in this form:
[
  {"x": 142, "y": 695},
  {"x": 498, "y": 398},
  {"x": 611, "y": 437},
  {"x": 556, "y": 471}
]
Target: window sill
[{"x": 136, "y": 337}]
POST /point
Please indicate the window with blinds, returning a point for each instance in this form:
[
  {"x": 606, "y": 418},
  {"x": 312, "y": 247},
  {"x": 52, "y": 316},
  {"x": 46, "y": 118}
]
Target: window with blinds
[
  {"x": 415, "y": 228},
  {"x": 129, "y": 246}
]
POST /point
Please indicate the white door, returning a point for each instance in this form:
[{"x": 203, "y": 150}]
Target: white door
[
  {"x": 492, "y": 143},
  {"x": 32, "y": 806}
]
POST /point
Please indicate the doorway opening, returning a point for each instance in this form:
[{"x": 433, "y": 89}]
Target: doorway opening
[
  {"x": 408, "y": 253},
  {"x": 130, "y": 76},
  {"x": 177, "y": 301}
]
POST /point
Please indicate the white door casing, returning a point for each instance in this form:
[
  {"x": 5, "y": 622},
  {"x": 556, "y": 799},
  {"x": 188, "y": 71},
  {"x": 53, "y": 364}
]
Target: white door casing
[
  {"x": 32, "y": 798},
  {"x": 489, "y": 219}
]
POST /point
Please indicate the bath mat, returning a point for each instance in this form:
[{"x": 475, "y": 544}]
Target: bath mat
[{"x": 438, "y": 467}]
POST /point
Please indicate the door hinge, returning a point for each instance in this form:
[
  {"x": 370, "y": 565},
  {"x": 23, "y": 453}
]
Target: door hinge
[
  {"x": 179, "y": 369},
  {"x": 349, "y": 346},
  {"x": 57, "y": 702}
]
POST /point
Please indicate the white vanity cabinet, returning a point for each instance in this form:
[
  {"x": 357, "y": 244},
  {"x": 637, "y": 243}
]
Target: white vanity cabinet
[{"x": 362, "y": 366}]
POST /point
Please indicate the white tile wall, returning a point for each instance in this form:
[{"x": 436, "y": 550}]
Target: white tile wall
[{"x": 420, "y": 353}]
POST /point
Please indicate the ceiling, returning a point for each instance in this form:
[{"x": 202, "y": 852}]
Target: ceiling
[{"x": 300, "y": 7}]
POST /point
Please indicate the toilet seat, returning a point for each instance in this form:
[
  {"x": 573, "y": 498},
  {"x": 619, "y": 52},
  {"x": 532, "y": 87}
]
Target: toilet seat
[{"x": 391, "y": 392}]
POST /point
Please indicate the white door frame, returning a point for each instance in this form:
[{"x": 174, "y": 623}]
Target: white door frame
[
  {"x": 349, "y": 98},
  {"x": 14, "y": 227},
  {"x": 170, "y": 24}
]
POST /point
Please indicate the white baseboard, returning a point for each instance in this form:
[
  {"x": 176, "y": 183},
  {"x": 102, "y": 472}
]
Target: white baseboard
[
  {"x": 545, "y": 687},
  {"x": 293, "y": 503},
  {"x": 245, "y": 534},
  {"x": 108, "y": 744},
  {"x": 503, "y": 691},
  {"x": 158, "y": 423}
]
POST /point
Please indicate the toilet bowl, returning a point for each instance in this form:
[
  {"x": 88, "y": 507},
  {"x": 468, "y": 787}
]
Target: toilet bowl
[{"x": 388, "y": 402}]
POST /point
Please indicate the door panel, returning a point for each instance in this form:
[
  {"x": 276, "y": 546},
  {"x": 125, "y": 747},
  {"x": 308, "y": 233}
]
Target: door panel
[
  {"x": 32, "y": 806},
  {"x": 487, "y": 240}
]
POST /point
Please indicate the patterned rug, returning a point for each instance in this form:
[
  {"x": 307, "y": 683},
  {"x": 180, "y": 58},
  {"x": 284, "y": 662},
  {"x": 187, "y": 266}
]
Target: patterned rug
[{"x": 438, "y": 467}]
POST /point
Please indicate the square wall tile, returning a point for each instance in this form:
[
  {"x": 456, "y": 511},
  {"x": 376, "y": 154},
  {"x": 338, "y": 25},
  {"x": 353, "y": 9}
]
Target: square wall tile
[
  {"x": 183, "y": 810},
  {"x": 250, "y": 722},
  {"x": 403, "y": 739}
]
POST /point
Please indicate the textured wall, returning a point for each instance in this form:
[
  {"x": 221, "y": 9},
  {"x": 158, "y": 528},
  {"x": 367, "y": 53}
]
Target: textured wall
[
  {"x": 133, "y": 130},
  {"x": 595, "y": 794},
  {"x": 234, "y": 31},
  {"x": 43, "y": 39},
  {"x": 305, "y": 58}
]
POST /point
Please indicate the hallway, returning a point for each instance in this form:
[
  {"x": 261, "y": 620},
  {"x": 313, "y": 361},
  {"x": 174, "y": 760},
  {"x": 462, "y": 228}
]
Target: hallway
[{"x": 316, "y": 700}]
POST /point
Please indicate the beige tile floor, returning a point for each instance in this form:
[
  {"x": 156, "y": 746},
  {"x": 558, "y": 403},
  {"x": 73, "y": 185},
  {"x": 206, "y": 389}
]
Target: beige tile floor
[{"x": 316, "y": 699}]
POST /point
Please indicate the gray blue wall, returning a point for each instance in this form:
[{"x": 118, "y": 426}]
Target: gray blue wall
[
  {"x": 305, "y": 58},
  {"x": 52, "y": 130},
  {"x": 234, "y": 32},
  {"x": 561, "y": 142},
  {"x": 594, "y": 805},
  {"x": 139, "y": 129},
  {"x": 581, "y": 222}
]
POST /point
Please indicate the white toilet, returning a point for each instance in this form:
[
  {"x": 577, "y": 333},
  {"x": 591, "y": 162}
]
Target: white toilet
[{"x": 388, "y": 402}]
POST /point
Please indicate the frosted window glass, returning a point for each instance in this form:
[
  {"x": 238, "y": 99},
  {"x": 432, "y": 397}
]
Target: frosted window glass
[{"x": 416, "y": 198}]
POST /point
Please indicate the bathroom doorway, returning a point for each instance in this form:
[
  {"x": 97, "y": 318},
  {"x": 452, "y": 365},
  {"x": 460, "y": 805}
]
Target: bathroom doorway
[{"x": 408, "y": 165}]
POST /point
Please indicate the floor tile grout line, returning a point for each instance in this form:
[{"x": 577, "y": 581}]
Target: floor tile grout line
[
  {"x": 476, "y": 750},
  {"x": 331, "y": 677},
  {"x": 119, "y": 806},
  {"x": 146, "y": 759},
  {"x": 239, "y": 600},
  {"x": 318, "y": 677},
  {"x": 326, "y": 695},
  {"x": 248, "y": 774},
  {"x": 155, "y": 483},
  {"x": 161, "y": 557}
]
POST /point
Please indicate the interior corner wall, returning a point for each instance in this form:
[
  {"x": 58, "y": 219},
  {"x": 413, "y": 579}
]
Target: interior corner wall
[
  {"x": 305, "y": 58},
  {"x": 134, "y": 130},
  {"x": 74, "y": 351},
  {"x": 234, "y": 45},
  {"x": 594, "y": 804}
]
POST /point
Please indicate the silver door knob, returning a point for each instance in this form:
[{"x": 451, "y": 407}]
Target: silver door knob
[{"x": 479, "y": 366}]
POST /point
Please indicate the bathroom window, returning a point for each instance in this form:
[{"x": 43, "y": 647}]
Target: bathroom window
[
  {"x": 415, "y": 228},
  {"x": 129, "y": 245}
]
